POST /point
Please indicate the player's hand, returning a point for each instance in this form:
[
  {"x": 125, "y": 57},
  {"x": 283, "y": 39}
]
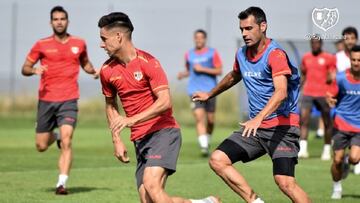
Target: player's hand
[
  {"x": 200, "y": 96},
  {"x": 251, "y": 126},
  {"x": 39, "y": 70},
  {"x": 120, "y": 123},
  {"x": 180, "y": 75},
  {"x": 198, "y": 68},
  {"x": 96, "y": 75},
  {"x": 120, "y": 152},
  {"x": 330, "y": 100}
]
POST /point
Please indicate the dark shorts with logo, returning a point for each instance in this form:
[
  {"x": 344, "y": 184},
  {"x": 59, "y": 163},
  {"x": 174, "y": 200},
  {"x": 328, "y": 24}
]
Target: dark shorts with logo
[
  {"x": 209, "y": 105},
  {"x": 54, "y": 114},
  {"x": 343, "y": 140},
  {"x": 281, "y": 143},
  {"x": 160, "y": 148}
]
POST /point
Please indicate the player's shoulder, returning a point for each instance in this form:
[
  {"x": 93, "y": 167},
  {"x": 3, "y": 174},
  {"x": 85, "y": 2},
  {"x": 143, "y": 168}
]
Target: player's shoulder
[
  {"x": 45, "y": 39},
  {"x": 145, "y": 56},
  {"x": 106, "y": 67},
  {"x": 328, "y": 55},
  {"x": 76, "y": 39},
  {"x": 307, "y": 55},
  {"x": 340, "y": 76}
]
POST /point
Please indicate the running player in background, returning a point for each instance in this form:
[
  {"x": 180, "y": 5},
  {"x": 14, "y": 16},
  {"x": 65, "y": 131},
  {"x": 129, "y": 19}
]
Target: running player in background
[
  {"x": 317, "y": 68},
  {"x": 350, "y": 35},
  {"x": 141, "y": 84},
  {"x": 272, "y": 85},
  {"x": 60, "y": 56},
  {"x": 346, "y": 96},
  {"x": 202, "y": 64}
]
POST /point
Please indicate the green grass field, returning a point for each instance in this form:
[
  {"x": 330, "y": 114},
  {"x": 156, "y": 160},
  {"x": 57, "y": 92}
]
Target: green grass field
[{"x": 29, "y": 176}]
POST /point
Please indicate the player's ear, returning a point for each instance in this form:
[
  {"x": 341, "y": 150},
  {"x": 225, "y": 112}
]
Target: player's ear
[{"x": 263, "y": 26}]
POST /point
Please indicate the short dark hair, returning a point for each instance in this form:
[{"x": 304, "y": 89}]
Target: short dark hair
[
  {"x": 356, "y": 48},
  {"x": 257, "y": 12},
  {"x": 201, "y": 31},
  {"x": 316, "y": 37},
  {"x": 116, "y": 19},
  {"x": 350, "y": 30},
  {"x": 58, "y": 9}
]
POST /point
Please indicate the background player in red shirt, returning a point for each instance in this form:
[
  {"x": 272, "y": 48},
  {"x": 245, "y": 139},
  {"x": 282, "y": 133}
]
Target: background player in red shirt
[
  {"x": 141, "y": 84},
  {"x": 60, "y": 56},
  {"x": 317, "y": 68}
]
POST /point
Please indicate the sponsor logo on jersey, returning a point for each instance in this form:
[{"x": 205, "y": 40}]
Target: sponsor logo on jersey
[
  {"x": 138, "y": 75},
  {"x": 252, "y": 74},
  {"x": 75, "y": 50}
]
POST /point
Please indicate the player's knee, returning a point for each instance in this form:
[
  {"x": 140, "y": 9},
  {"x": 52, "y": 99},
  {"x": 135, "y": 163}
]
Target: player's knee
[
  {"x": 65, "y": 144},
  {"x": 152, "y": 186},
  {"x": 354, "y": 159},
  {"x": 285, "y": 183},
  {"x": 217, "y": 162},
  {"x": 41, "y": 147},
  {"x": 338, "y": 160}
]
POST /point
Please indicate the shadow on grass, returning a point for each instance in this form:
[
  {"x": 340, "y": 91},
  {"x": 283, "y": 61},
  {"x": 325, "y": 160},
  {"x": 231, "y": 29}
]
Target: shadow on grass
[
  {"x": 74, "y": 190},
  {"x": 351, "y": 196}
]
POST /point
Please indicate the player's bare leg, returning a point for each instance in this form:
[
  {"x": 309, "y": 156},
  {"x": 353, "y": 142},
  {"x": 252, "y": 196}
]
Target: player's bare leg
[
  {"x": 222, "y": 166},
  {"x": 304, "y": 131},
  {"x": 44, "y": 140},
  {"x": 354, "y": 155},
  {"x": 326, "y": 154},
  {"x": 200, "y": 119},
  {"x": 210, "y": 122},
  {"x": 152, "y": 190},
  {"x": 290, "y": 188},
  {"x": 337, "y": 173},
  {"x": 65, "y": 160}
]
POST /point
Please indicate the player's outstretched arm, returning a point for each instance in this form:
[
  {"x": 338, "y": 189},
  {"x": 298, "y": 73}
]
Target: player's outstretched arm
[
  {"x": 28, "y": 68},
  {"x": 210, "y": 71},
  {"x": 228, "y": 81},
  {"x": 113, "y": 116}
]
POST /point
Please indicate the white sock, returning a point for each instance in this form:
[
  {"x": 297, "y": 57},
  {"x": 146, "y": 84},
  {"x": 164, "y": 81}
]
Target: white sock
[
  {"x": 303, "y": 145},
  {"x": 258, "y": 200},
  {"x": 62, "y": 180},
  {"x": 320, "y": 132},
  {"x": 327, "y": 148},
  {"x": 203, "y": 141},
  {"x": 337, "y": 186},
  {"x": 205, "y": 200}
]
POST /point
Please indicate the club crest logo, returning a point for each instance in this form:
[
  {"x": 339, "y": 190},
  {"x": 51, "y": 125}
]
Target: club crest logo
[
  {"x": 325, "y": 18},
  {"x": 75, "y": 50},
  {"x": 138, "y": 75}
]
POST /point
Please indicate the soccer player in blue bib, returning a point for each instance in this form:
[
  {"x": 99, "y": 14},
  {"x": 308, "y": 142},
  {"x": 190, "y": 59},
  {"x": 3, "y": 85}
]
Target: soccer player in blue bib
[
  {"x": 346, "y": 96},
  {"x": 203, "y": 64},
  {"x": 272, "y": 85}
]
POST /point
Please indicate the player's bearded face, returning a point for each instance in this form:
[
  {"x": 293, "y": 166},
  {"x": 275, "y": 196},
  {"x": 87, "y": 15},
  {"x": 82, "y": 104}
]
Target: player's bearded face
[
  {"x": 59, "y": 23},
  {"x": 199, "y": 40},
  {"x": 252, "y": 32},
  {"x": 355, "y": 62},
  {"x": 349, "y": 41}
]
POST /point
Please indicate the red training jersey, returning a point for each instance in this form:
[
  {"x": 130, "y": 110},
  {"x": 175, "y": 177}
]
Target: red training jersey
[
  {"x": 316, "y": 69},
  {"x": 60, "y": 81},
  {"x": 136, "y": 84},
  {"x": 278, "y": 63}
]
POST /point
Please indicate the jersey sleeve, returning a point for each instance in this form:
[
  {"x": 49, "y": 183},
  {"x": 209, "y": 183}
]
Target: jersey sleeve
[
  {"x": 107, "y": 89},
  {"x": 35, "y": 53},
  {"x": 278, "y": 63},
  {"x": 236, "y": 66},
  {"x": 156, "y": 76},
  {"x": 186, "y": 58},
  {"x": 217, "y": 60},
  {"x": 84, "y": 54},
  {"x": 331, "y": 63},
  {"x": 303, "y": 66}
]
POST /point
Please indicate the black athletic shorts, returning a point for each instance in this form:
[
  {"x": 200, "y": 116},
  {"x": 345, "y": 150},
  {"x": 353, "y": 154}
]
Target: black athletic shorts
[
  {"x": 209, "y": 105},
  {"x": 54, "y": 114},
  {"x": 343, "y": 140},
  {"x": 160, "y": 148},
  {"x": 320, "y": 103}
]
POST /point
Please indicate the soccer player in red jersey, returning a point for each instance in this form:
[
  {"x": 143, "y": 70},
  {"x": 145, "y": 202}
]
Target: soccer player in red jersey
[
  {"x": 317, "y": 69},
  {"x": 141, "y": 84},
  {"x": 60, "y": 56}
]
